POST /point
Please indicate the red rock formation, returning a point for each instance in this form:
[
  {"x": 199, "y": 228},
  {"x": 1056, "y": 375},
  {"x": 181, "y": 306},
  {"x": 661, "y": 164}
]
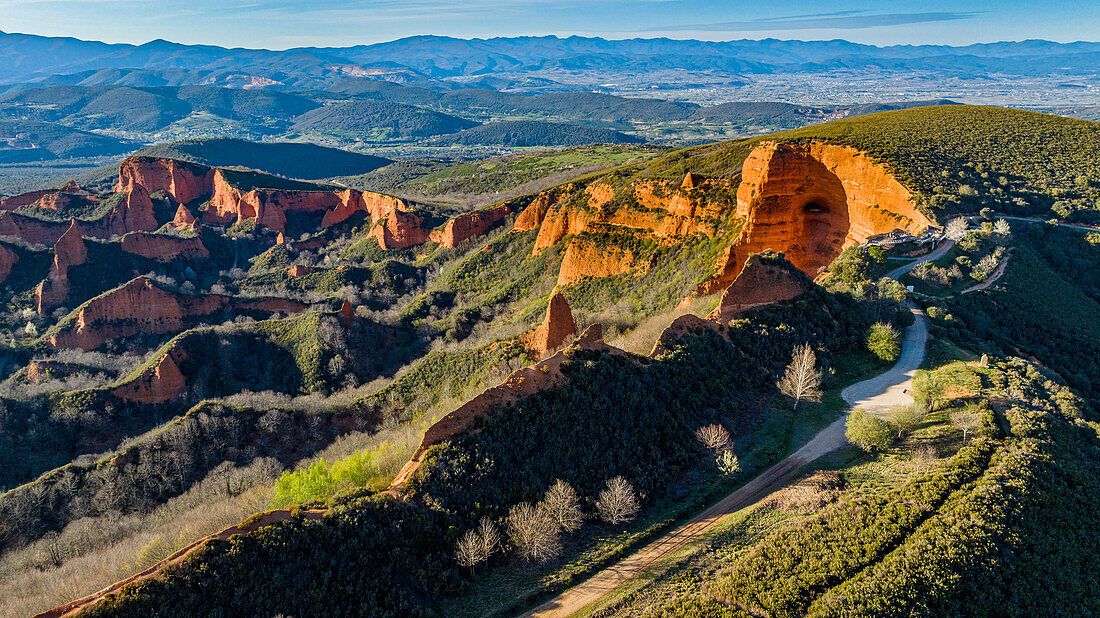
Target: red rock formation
[
  {"x": 8, "y": 258},
  {"x": 160, "y": 383},
  {"x": 762, "y": 281},
  {"x": 280, "y": 239},
  {"x": 400, "y": 230},
  {"x": 68, "y": 251},
  {"x": 184, "y": 182},
  {"x": 299, "y": 271},
  {"x": 184, "y": 220},
  {"x": 376, "y": 205},
  {"x": 555, "y": 328},
  {"x": 811, "y": 201},
  {"x": 663, "y": 209},
  {"x": 469, "y": 225},
  {"x": 584, "y": 258},
  {"x": 50, "y": 199},
  {"x": 347, "y": 312},
  {"x": 139, "y": 307},
  {"x": 164, "y": 248}
]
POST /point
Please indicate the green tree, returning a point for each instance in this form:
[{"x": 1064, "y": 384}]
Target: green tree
[
  {"x": 869, "y": 432},
  {"x": 884, "y": 341},
  {"x": 906, "y": 418}
]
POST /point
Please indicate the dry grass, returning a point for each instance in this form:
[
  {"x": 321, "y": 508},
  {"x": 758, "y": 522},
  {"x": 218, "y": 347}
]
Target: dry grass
[
  {"x": 640, "y": 340},
  {"x": 29, "y": 583}
]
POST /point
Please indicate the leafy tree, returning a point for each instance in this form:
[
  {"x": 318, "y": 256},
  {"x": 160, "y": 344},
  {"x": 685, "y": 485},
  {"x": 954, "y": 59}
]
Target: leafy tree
[
  {"x": 869, "y": 432},
  {"x": 728, "y": 463},
  {"x": 802, "y": 379},
  {"x": 884, "y": 341}
]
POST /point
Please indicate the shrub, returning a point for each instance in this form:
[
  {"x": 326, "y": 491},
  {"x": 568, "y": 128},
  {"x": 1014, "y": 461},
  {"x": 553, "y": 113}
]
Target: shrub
[
  {"x": 869, "y": 432},
  {"x": 884, "y": 341}
]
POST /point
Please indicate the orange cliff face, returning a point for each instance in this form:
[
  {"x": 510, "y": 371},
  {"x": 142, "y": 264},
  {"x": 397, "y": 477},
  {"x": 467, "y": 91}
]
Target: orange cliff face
[
  {"x": 8, "y": 258},
  {"x": 813, "y": 200},
  {"x": 139, "y": 307},
  {"x": 584, "y": 258},
  {"x": 68, "y": 251},
  {"x": 469, "y": 225},
  {"x": 185, "y": 182},
  {"x": 400, "y": 230},
  {"x": 666, "y": 210},
  {"x": 160, "y": 383},
  {"x": 164, "y": 248},
  {"x": 762, "y": 281},
  {"x": 555, "y": 328}
]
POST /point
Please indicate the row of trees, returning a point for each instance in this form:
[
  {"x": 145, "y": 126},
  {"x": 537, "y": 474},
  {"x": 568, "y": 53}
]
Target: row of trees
[{"x": 534, "y": 530}]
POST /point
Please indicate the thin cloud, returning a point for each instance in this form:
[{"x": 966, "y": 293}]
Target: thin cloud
[{"x": 840, "y": 20}]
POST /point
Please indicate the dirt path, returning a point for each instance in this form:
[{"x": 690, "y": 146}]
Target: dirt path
[
  {"x": 877, "y": 395},
  {"x": 991, "y": 279}
]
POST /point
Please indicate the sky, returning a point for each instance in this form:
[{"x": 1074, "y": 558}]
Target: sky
[{"x": 279, "y": 24}]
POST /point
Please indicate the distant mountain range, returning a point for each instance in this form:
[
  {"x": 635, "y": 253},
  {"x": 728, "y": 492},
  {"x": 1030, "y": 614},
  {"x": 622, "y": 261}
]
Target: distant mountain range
[{"x": 437, "y": 61}]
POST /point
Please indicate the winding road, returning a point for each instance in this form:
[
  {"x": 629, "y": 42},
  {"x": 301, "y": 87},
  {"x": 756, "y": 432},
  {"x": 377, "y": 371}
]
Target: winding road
[{"x": 876, "y": 395}]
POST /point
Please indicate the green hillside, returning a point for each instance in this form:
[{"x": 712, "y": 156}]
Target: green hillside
[
  {"x": 959, "y": 158},
  {"x": 378, "y": 121},
  {"x": 291, "y": 159},
  {"x": 526, "y": 133}
]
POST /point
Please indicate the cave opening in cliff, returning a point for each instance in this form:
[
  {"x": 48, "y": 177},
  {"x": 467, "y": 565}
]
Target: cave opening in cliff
[{"x": 801, "y": 209}]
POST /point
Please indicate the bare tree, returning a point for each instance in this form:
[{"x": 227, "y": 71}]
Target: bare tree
[
  {"x": 617, "y": 502},
  {"x": 967, "y": 419},
  {"x": 713, "y": 437},
  {"x": 478, "y": 544},
  {"x": 802, "y": 379},
  {"x": 533, "y": 532},
  {"x": 1002, "y": 228},
  {"x": 924, "y": 456},
  {"x": 564, "y": 507},
  {"x": 906, "y": 418},
  {"x": 956, "y": 229}
]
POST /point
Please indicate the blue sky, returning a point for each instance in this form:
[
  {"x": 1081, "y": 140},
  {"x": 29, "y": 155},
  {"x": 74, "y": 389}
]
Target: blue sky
[{"x": 278, "y": 24}]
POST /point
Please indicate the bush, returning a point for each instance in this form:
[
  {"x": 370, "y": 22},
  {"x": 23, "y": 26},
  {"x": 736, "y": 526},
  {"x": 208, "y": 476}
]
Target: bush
[
  {"x": 884, "y": 341},
  {"x": 869, "y": 432}
]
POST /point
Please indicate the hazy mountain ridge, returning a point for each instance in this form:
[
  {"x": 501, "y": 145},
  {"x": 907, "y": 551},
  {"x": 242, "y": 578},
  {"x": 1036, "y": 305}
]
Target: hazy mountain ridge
[{"x": 30, "y": 57}]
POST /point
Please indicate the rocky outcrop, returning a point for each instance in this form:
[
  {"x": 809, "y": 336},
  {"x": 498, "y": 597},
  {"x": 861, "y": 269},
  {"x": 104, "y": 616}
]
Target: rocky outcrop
[
  {"x": 300, "y": 271},
  {"x": 469, "y": 225},
  {"x": 400, "y": 230},
  {"x": 8, "y": 258},
  {"x": 140, "y": 307},
  {"x": 68, "y": 251},
  {"x": 184, "y": 220},
  {"x": 376, "y": 205},
  {"x": 813, "y": 200},
  {"x": 161, "y": 382},
  {"x": 71, "y": 195},
  {"x": 585, "y": 258},
  {"x": 522, "y": 383},
  {"x": 184, "y": 182},
  {"x": 164, "y": 248},
  {"x": 347, "y": 311},
  {"x": 666, "y": 210},
  {"x": 764, "y": 280},
  {"x": 555, "y": 328}
]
